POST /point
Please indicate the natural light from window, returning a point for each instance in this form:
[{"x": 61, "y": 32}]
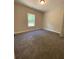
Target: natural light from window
[{"x": 31, "y": 20}]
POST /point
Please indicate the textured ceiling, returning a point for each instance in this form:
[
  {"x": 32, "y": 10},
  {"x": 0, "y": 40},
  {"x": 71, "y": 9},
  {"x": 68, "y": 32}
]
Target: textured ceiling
[{"x": 50, "y": 4}]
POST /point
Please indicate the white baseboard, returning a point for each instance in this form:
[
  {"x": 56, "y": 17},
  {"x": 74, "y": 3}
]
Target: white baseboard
[
  {"x": 19, "y": 32},
  {"x": 26, "y": 31},
  {"x": 36, "y": 29},
  {"x": 51, "y": 30}
]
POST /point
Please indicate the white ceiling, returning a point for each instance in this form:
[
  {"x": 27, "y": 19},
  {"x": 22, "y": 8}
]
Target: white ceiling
[{"x": 50, "y": 4}]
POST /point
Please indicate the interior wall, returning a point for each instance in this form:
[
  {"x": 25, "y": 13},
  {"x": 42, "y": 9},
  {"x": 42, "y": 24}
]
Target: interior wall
[
  {"x": 53, "y": 19},
  {"x": 20, "y": 18}
]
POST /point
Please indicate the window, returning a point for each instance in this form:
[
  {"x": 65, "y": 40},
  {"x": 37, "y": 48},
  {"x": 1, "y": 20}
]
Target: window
[{"x": 31, "y": 20}]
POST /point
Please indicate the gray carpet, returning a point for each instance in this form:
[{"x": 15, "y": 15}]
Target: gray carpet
[{"x": 39, "y": 44}]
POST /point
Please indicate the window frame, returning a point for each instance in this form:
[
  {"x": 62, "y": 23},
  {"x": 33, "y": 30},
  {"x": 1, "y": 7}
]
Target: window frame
[{"x": 34, "y": 20}]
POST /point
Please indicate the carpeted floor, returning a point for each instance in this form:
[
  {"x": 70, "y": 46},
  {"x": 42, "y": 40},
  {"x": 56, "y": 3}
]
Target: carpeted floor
[{"x": 39, "y": 44}]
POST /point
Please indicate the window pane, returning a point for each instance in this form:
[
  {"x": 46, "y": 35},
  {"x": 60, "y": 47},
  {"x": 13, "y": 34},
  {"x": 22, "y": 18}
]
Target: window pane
[{"x": 31, "y": 20}]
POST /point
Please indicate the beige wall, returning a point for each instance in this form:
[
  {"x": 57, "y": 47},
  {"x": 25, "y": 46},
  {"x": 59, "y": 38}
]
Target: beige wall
[
  {"x": 53, "y": 19},
  {"x": 20, "y": 18}
]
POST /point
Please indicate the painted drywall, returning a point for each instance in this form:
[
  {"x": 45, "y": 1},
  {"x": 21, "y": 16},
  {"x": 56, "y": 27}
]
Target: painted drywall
[
  {"x": 20, "y": 18},
  {"x": 53, "y": 19}
]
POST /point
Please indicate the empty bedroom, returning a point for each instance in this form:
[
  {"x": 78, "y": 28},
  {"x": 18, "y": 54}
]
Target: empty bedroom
[{"x": 39, "y": 29}]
